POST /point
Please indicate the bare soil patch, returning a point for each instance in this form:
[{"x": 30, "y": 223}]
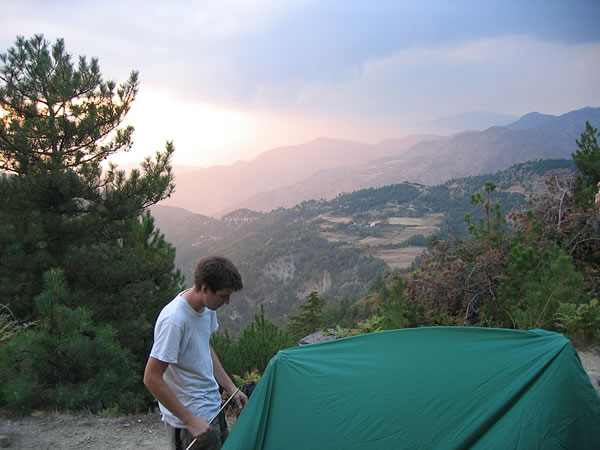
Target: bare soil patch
[{"x": 50, "y": 430}]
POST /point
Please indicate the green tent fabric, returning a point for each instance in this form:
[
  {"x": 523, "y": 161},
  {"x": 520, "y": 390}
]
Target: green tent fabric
[{"x": 443, "y": 387}]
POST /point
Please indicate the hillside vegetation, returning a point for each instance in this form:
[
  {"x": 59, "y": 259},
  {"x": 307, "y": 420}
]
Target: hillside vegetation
[
  {"x": 536, "y": 267},
  {"x": 338, "y": 248},
  {"x": 84, "y": 271}
]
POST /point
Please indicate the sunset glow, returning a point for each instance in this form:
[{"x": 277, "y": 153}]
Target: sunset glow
[
  {"x": 226, "y": 81},
  {"x": 199, "y": 131}
]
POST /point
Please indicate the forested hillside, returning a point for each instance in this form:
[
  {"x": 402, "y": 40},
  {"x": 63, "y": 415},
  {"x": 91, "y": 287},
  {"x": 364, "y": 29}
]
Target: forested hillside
[
  {"x": 88, "y": 258},
  {"x": 339, "y": 248},
  {"x": 536, "y": 267}
]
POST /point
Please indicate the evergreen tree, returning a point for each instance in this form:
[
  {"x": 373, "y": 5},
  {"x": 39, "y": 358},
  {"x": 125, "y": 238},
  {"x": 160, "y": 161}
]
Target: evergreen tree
[
  {"x": 340, "y": 315},
  {"x": 537, "y": 282},
  {"x": 310, "y": 320},
  {"x": 60, "y": 211},
  {"x": 259, "y": 342},
  {"x": 228, "y": 352},
  {"x": 397, "y": 311},
  {"x": 587, "y": 160},
  {"x": 490, "y": 227},
  {"x": 66, "y": 361}
]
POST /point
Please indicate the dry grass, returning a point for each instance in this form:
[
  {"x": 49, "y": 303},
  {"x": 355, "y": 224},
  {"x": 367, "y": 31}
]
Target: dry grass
[
  {"x": 427, "y": 220},
  {"x": 399, "y": 258}
]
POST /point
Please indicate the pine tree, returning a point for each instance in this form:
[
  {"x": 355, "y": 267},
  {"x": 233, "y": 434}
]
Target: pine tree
[
  {"x": 537, "y": 282},
  {"x": 229, "y": 355},
  {"x": 587, "y": 160},
  {"x": 66, "y": 360},
  {"x": 397, "y": 311},
  {"x": 259, "y": 342},
  {"x": 60, "y": 211},
  {"x": 310, "y": 320}
]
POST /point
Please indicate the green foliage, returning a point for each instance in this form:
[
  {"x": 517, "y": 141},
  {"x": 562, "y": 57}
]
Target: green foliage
[
  {"x": 21, "y": 393},
  {"x": 371, "y": 325},
  {"x": 580, "y": 322},
  {"x": 375, "y": 198},
  {"x": 343, "y": 314},
  {"x": 67, "y": 361},
  {"x": 259, "y": 342},
  {"x": 110, "y": 412},
  {"x": 9, "y": 328},
  {"x": 587, "y": 160},
  {"x": 537, "y": 281},
  {"x": 418, "y": 240},
  {"x": 489, "y": 226},
  {"x": 227, "y": 351},
  {"x": 60, "y": 212},
  {"x": 396, "y": 311},
  {"x": 56, "y": 113},
  {"x": 248, "y": 377},
  {"x": 310, "y": 320}
]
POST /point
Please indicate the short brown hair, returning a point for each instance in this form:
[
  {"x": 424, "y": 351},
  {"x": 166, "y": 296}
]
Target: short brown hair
[{"x": 216, "y": 273}]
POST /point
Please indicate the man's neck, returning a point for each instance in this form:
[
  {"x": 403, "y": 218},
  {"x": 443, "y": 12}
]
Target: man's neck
[{"x": 194, "y": 298}]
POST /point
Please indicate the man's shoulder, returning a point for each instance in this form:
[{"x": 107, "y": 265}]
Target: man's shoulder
[{"x": 171, "y": 309}]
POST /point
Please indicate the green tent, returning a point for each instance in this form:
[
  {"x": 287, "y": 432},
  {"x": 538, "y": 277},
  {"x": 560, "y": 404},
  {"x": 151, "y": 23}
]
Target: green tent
[{"x": 446, "y": 387}]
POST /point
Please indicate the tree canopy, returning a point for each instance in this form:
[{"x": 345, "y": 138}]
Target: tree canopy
[{"x": 65, "y": 210}]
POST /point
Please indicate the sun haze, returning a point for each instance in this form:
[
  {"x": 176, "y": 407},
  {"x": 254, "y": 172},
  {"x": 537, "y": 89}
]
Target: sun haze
[{"x": 226, "y": 80}]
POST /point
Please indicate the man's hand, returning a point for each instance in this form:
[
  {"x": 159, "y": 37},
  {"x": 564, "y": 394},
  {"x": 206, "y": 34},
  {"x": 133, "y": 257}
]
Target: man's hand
[
  {"x": 197, "y": 426},
  {"x": 240, "y": 400}
]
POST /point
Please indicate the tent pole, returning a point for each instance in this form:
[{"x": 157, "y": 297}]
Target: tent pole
[{"x": 215, "y": 416}]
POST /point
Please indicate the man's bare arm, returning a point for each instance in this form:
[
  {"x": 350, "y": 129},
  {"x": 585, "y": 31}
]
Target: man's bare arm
[
  {"x": 224, "y": 380},
  {"x": 153, "y": 379}
]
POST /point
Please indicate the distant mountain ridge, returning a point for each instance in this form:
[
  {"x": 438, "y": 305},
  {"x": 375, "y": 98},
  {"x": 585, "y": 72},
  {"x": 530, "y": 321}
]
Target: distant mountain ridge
[
  {"x": 325, "y": 168},
  {"x": 431, "y": 162},
  {"x": 473, "y": 120},
  {"x": 210, "y": 190},
  {"x": 530, "y": 120},
  {"x": 338, "y": 247}
]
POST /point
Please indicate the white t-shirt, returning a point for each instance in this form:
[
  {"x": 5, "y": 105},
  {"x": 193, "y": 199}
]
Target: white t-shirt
[{"x": 182, "y": 339}]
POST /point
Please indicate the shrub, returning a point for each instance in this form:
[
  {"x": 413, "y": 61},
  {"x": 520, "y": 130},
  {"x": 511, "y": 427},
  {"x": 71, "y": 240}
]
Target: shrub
[
  {"x": 581, "y": 323},
  {"x": 536, "y": 283},
  {"x": 259, "y": 342},
  {"x": 66, "y": 361}
]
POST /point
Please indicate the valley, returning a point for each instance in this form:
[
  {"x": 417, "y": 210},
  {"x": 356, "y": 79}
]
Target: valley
[{"x": 338, "y": 247}]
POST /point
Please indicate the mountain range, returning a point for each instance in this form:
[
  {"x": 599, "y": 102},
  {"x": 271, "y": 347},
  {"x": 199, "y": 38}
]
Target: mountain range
[
  {"x": 324, "y": 168},
  {"x": 339, "y": 247}
]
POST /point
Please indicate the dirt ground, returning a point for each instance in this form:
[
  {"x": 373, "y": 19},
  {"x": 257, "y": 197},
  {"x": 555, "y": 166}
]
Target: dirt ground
[{"x": 57, "y": 431}]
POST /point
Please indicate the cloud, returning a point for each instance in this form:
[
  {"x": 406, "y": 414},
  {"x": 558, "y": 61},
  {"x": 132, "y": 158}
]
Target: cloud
[
  {"x": 511, "y": 74},
  {"x": 311, "y": 66}
]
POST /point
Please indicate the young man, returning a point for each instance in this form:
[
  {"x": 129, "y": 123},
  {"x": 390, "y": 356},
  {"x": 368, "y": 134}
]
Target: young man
[{"x": 183, "y": 371}]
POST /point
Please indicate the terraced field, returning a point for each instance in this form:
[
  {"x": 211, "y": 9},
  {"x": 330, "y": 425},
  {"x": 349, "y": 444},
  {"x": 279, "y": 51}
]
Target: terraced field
[{"x": 385, "y": 239}]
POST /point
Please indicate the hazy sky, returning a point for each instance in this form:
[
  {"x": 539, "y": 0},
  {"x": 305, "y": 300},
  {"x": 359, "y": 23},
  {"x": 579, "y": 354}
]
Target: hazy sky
[{"x": 228, "y": 79}]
